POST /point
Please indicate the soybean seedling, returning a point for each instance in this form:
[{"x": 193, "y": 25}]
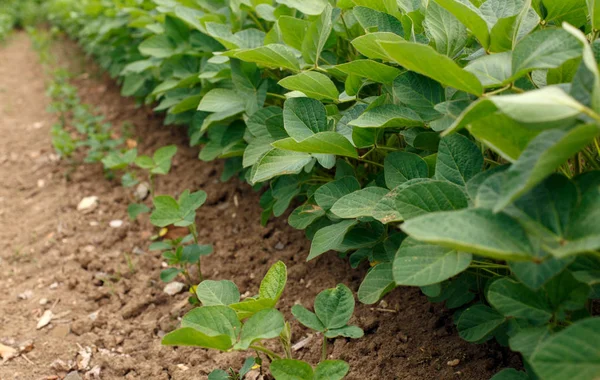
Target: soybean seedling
[
  {"x": 159, "y": 164},
  {"x": 231, "y": 374},
  {"x": 180, "y": 213},
  {"x": 225, "y": 323}
]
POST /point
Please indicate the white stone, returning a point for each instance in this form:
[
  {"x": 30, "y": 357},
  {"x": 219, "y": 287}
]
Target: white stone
[
  {"x": 87, "y": 204},
  {"x": 116, "y": 223},
  {"x": 174, "y": 287}
]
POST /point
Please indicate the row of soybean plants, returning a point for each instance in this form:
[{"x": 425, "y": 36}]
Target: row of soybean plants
[
  {"x": 452, "y": 144},
  {"x": 18, "y": 13}
]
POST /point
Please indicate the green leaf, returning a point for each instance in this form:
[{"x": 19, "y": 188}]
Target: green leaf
[
  {"x": 572, "y": 12},
  {"x": 594, "y": 11},
  {"x": 430, "y": 196},
  {"x": 544, "y": 49},
  {"x": 473, "y": 230},
  {"x": 293, "y": 31},
  {"x": 213, "y": 321},
  {"x": 328, "y": 238},
  {"x": 193, "y": 252},
  {"x": 534, "y": 274},
  {"x": 303, "y": 117},
  {"x": 470, "y": 17},
  {"x": 331, "y": 370},
  {"x": 307, "y": 318},
  {"x": 222, "y": 100},
  {"x": 321, "y": 142},
  {"x": 543, "y": 155},
  {"x": 388, "y": 116},
  {"x": 188, "y": 336},
  {"x": 400, "y": 167},
  {"x": 419, "y": 93},
  {"x": 222, "y": 292},
  {"x": 273, "y": 56},
  {"x": 374, "y": 21},
  {"x": 166, "y": 211},
  {"x": 272, "y": 285},
  {"x": 478, "y": 322},
  {"x": 378, "y": 282},
  {"x": 218, "y": 374},
  {"x": 308, "y": 7},
  {"x": 162, "y": 159},
  {"x": 503, "y": 135},
  {"x": 424, "y": 60},
  {"x": 570, "y": 353},
  {"x": 278, "y": 162},
  {"x": 422, "y": 264},
  {"x": 447, "y": 32},
  {"x": 492, "y": 70},
  {"x": 169, "y": 274},
  {"x": 458, "y": 160},
  {"x": 328, "y": 194},
  {"x": 358, "y": 203},
  {"x": 266, "y": 324},
  {"x": 516, "y": 300},
  {"x": 353, "y": 332},
  {"x": 368, "y": 46},
  {"x": 372, "y": 70},
  {"x": 305, "y": 215},
  {"x": 159, "y": 46},
  {"x": 510, "y": 374},
  {"x": 250, "y": 306},
  {"x": 291, "y": 369},
  {"x": 316, "y": 36},
  {"x": 335, "y": 306},
  {"x": 136, "y": 209},
  {"x": 312, "y": 84}
]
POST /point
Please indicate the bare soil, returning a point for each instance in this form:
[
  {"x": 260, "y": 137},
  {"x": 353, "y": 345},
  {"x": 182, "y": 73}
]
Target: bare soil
[{"x": 118, "y": 312}]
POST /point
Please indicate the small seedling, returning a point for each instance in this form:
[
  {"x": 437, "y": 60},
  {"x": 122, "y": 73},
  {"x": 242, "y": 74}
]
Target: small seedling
[
  {"x": 225, "y": 323},
  {"x": 179, "y": 254},
  {"x": 231, "y": 374}
]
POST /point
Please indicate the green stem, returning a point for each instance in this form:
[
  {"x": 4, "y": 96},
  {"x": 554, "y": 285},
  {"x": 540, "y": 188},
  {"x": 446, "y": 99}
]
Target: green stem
[
  {"x": 256, "y": 21},
  {"x": 591, "y": 159},
  {"x": 274, "y": 95},
  {"x": 370, "y": 162},
  {"x": 266, "y": 351},
  {"x": 324, "y": 351},
  {"x": 194, "y": 232}
]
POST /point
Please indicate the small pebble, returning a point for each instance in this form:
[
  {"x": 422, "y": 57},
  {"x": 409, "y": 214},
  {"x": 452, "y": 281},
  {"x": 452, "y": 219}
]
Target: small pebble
[
  {"x": 115, "y": 223},
  {"x": 453, "y": 363},
  {"x": 279, "y": 246},
  {"x": 54, "y": 285},
  {"x": 25, "y": 295},
  {"x": 43, "y": 301},
  {"x": 88, "y": 204},
  {"x": 174, "y": 287}
]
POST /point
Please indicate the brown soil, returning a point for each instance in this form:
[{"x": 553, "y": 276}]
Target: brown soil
[{"x": 78, "y": 263}]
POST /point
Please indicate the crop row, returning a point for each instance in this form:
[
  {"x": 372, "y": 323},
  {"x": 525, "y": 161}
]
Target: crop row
[{"x": 451, "y": 144}]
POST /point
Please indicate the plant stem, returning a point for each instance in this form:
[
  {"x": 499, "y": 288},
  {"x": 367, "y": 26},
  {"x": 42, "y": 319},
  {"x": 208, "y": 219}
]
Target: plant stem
[
  {"x": 370, "y": 162},
  {"x": 324, "y": 351},
  {"x": 194, "y": 232},
  {"x": 591, "y": 159},
  {"x": 266, "y": 351},
  {"x": 274, "y": 95}
]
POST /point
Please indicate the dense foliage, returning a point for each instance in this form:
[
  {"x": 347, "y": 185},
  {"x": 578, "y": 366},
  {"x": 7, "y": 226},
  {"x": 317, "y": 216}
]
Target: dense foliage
[{"x": 452, "y": 144}]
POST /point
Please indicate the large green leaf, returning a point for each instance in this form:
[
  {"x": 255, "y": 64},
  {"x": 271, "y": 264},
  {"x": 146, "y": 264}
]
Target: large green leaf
[
  {"x": 423, "y": 59},
  {"x": 375, "y": 21},
  {"x": 328, "y": 194},
  {"x": 478, "y": 322},
  {"x": 272, "y": 55},
  {"x": 222, "y": 292},
  {"x": 448, "y": 33},
  {"x": 290, "y": 369},
  {"x": 572, "y": 353},
  {"x": 159, "y": 46},
  {"x": 368, "y": 46},
  {"x": 335, "y": 306},
  {"x": 316, "y": 36},
  {"x": 266, "y": 324},
  {"x": 544, "y": 49},
  {"x": 419, "y": 93},
  {"x": 516, "y": 300},
  {"x": 469, "y": 16},
  {"x": 492, "y": 70},
  {"x": 213, "y": 321},
  {"x": 430, "y": 196},
  {"x": 188, "y": 336},
  {"x": 312, "y": 84},
  {"x": 572, "y": 12},
  {"x": 331, "y": 370},
  {"x": 308, "y": 7},
  {"x": 400, "y": 167},
  {"x": 543, "y": 155},
  {"x": 328, "y": 238},
  {"x": 277, "y": 162},
  {"x": 321, "y": 142},
  {"x": 272, "y": 285},
  {"x": 307, "y": 318},
  {"x": 473, "y": 230},
  {"x": 378, "y": 281},
  {"x": 372, "y": 70},
  {"x": 422, "y": 264},
  {"x": 458, "y": 160},
  {"x": 358, "y": 203},
  {"x": 221, "y": 100},
  {"x": 303, "y": 117},
  {"x": 388, "y": 116}
]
